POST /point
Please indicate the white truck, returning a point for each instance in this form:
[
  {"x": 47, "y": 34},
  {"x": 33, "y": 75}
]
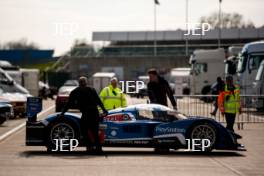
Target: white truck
[
  {"x": 101, "y": 80},
  {"x": 249, "y": 61},
  {"x": 258, "y": 89},
  {"x": 206, "y": 66},
  {"x": 181, "y": 79},
  {"x": 30, "y": 80}
]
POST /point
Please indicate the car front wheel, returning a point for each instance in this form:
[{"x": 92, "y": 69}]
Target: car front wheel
[{"x": 200, "y": 132}]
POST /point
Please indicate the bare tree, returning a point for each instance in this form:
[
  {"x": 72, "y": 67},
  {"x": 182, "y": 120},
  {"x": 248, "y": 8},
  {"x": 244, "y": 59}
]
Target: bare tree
[
  {"x": 20, "y": 44},
  {"x": 229, "y": 20},
  {"x": 82, "y": 47}
]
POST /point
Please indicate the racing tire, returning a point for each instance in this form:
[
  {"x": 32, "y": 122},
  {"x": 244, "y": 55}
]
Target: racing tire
[
  {"x": 203, "y": 130},
  {"x": 61, "y": 130}
]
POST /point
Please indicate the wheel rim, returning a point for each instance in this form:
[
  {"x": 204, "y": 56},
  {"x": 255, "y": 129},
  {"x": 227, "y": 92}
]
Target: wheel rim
[
  {"x": 204, "y": 132},
  {"x": 62, "y": 131}
]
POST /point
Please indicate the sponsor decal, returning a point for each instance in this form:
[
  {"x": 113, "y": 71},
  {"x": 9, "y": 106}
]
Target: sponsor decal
[
  {"x": 117, "y": 117},
  {"x": 113, "y": 133},
  {"x": 169, "y": 130},
  {"x": 141, "y": 142},
  {"x": 166, "y": 141},
  {"x": 129, "y": 141}
]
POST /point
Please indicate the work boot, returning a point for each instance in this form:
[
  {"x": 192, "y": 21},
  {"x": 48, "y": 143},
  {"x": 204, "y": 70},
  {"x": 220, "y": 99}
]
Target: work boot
[{"x": 212, "y": 113}]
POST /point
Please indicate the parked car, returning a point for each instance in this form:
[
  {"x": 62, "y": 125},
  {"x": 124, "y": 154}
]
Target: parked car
[
  {"x": 63, "y": 94},
  {"x": 6, "y": 110},
  {"x": 142, "y": 125},
  {"x": 18, "y": 101}
]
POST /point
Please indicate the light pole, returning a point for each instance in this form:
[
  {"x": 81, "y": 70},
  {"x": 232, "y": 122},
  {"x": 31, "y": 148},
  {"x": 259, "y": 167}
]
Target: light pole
[
  {"x": 219, "y": 24},
  {"x": 186, "y": 21},
  {"x": 155, "y": 30},
  {"x": 156, "y": 2}
]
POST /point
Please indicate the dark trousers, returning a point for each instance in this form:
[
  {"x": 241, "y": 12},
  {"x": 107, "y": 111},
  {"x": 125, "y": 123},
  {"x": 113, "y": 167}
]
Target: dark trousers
[
  {"x": 215, "y": 106},
  {"x": 230, "y": 120},
  {"x": 90, "y": 131}
]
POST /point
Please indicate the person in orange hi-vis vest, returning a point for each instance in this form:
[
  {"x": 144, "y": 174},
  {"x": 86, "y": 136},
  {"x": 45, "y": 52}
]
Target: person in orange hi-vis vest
[{"x": 229, "y": 102}]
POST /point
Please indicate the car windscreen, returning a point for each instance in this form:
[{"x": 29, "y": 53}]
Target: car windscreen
[
  {"x": 71, "y": 83},
  {"x": 164, "y": 116}
]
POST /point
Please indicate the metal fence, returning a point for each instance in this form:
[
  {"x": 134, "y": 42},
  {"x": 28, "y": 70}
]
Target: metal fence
[{"x": 203, "y": 105}]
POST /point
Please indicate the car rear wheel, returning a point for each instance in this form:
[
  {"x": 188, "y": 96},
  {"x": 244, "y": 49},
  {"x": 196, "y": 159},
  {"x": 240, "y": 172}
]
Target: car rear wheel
[
  {"x": 59, "y": 131},
  {"x": 201, "y": 131}
]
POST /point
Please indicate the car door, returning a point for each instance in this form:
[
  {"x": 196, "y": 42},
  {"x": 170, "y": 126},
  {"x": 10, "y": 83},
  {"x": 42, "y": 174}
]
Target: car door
[{"x": 126, "y": 129}]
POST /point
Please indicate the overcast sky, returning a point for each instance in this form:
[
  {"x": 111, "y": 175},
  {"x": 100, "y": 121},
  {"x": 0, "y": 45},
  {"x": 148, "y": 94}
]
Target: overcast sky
[{"x": 40, "y": 21}]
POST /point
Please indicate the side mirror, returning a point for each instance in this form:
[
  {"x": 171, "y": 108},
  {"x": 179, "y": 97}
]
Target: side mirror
[
  {"x": 11, "y": 82},
  {"x": 7, "y": 82}
]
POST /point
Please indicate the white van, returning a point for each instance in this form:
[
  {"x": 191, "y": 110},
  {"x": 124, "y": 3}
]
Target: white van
[
  {"x": 101, "y": 80},
  {"x": 30, "y": 80},
  {"x": 181, "y": 79}
]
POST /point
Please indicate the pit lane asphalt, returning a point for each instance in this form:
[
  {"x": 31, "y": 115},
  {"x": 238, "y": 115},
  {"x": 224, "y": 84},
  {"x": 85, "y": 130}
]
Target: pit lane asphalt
[
  {"x": 12, "y": 124},
  {"x": 16, "y": 159}
]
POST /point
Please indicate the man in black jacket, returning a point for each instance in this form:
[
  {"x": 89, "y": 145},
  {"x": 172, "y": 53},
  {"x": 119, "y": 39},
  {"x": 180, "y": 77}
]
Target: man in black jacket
[
  {"x": 159, "y": 89},
  {"x": 216, "y": 89},
  {"x": 87, "y": 102}
]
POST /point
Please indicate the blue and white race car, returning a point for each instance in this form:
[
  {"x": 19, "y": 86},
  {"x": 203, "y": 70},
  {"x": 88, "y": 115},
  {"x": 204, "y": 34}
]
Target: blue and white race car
[{"x": 143, "y": 125}]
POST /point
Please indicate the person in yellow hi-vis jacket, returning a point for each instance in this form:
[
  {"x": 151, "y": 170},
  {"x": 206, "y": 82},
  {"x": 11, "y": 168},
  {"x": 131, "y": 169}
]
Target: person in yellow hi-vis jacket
[
  {"x": 229, "y": 102},
  {"x": 112, "y": 96}
]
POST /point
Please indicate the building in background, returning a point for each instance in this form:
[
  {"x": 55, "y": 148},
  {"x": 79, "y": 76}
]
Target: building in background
[
  {"x": 27, "y": 57},
  {"x": 130, "y": 53}
]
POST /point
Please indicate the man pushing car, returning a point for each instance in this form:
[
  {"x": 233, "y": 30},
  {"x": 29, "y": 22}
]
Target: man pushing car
[
  {"x": 87, "y": 102},
  {"x": 159, "y": 89}
]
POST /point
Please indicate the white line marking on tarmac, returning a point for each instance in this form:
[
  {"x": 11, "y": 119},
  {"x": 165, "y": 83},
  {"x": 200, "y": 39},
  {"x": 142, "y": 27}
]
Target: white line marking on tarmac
[
  {"x": 5, "y": 135},
  {"x": 227, "y": 167}
]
